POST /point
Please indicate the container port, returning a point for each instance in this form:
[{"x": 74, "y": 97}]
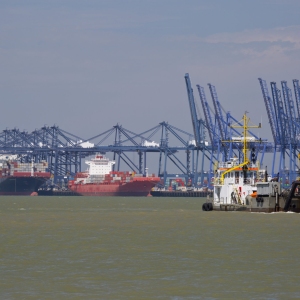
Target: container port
[{"x": 55, "y": 153}]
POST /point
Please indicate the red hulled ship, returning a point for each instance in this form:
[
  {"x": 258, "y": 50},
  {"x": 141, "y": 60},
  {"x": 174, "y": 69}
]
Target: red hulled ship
[{"x": 100, "y": 180}]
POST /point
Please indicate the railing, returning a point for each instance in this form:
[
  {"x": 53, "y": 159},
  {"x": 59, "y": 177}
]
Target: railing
[
  {"x": 217, "y": 181},
  {"x": 233, "y": 163},
  {"x": 228, "y": 164},
  {"x": 252, "y": 181}
]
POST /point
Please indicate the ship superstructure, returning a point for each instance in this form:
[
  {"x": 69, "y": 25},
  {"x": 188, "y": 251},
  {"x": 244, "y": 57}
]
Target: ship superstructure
[{"x": 234, "y": 180}]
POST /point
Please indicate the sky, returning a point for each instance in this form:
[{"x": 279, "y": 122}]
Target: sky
[{"x": 86, "y": 66}]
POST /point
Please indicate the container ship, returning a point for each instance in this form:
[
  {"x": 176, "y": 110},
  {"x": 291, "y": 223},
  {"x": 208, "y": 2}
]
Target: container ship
[
  {"x": 100, "y": 180},
  {"x": 18, "y": 178}
]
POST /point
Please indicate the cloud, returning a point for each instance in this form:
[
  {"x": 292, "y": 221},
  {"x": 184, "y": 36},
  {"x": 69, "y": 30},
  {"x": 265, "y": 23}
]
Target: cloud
[
  {"x": 274, "y": 42},
  {"x": 270, "y": 51},
  {"x": 281, "y": 34}
]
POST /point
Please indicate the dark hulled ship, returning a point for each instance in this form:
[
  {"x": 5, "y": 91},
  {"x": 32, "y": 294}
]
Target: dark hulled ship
[{"x": 18, "y": 178}]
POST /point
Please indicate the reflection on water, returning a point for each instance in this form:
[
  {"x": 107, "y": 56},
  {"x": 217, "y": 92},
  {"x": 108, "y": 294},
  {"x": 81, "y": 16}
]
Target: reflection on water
[{"x": 144, "y": 248}]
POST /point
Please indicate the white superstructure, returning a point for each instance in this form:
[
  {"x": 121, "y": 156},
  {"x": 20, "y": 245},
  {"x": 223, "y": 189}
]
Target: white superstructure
[
  {"x": 100, "y": 165},
  {"x": 234, "y": 181}
]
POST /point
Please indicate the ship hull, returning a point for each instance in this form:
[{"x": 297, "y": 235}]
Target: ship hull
[
  {"x": 14, "y": 185},
  {"x": 132, "y": 189},
  {"x": 180, "y": 194},
  {"x": 230, "y": 207},
  {"x": 57, "y": 193}
]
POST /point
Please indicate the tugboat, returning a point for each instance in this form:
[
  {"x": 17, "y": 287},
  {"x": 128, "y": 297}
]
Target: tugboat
[{"x": 243, "y": 186}]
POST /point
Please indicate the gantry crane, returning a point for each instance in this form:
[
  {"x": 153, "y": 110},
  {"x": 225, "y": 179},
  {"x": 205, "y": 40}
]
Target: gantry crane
[
  {"x": 285, "y": 127},
  {"x": 222, "y": 128},
  {"x": 199, "y": 132}
]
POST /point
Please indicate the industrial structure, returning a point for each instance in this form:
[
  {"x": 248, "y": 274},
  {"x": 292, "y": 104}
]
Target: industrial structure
[
  {"x": 284, "y": 120},
  {"x": 213, "y": 139}
]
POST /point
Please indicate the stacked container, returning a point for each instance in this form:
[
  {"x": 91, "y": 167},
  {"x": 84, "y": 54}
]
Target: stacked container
[{"x": 16, "y": 168}]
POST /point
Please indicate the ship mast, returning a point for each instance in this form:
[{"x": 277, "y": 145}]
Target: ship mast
[
  {"x": 245, "y": 127},
  {"x": 246, "y": 161}
]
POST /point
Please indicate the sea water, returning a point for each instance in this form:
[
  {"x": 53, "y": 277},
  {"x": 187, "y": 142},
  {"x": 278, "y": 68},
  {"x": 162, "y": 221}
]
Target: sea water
[{"x": 144, "y": 248}]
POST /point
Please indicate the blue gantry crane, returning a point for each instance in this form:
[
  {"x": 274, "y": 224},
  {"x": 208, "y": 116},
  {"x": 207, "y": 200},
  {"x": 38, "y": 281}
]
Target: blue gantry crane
[
  {"x": 199, "y": 126},
  {"x": 285, "y": 127},
  {"x": 64, "y": 151},
  {"x": 212, "y": 131},
  {"x": 221, "y": 133},
  {"x": 270, "y": 110},
  {"x": 272, "y": 119},
  {"x": 293, "y": 129},
  {"x": 282, "y": 130},
  {"x": 194, "y": 116},
  {"x": 222, "y": 129}
]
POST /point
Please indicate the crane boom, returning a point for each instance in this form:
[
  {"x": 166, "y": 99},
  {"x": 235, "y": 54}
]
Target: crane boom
[
  {"x": 207, "y": 115},
  {"x": 269, "y": 108},
  {"x": 297, "y": 96},
  {"x": 280, "y": 114},
  {"x": 193, "y": 111},
  {"x": 287, "y": 96},
  {"x": 218, "y": 111}
]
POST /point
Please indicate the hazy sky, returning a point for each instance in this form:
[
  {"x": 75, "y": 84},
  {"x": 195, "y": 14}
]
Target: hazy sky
[{"x": 88, "y": 65}]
